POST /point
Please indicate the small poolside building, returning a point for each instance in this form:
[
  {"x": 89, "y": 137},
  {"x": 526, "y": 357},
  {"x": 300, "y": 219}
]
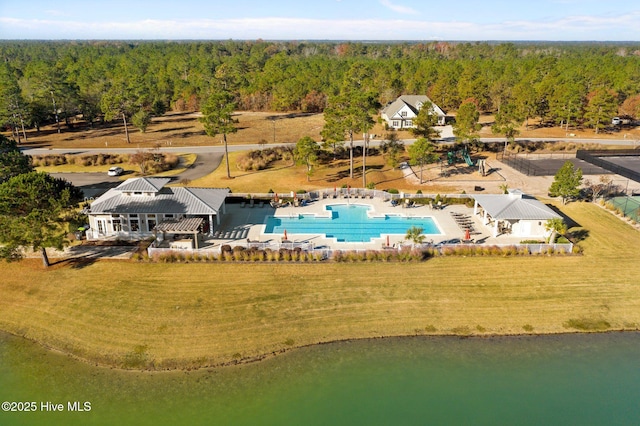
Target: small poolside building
[
  {"x": 136, "y": 207},
  {"x": 515, "y": 213}
]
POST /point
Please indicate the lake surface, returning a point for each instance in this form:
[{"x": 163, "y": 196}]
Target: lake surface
[{"x": 550, "y": 380}]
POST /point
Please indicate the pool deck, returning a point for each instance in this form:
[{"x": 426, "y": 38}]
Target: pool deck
[{"x": 242, "y": 223}]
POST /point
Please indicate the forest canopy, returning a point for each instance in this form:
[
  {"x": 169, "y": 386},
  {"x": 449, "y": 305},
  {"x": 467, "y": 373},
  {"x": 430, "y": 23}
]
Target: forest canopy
[{"x": 561, "y": 83}]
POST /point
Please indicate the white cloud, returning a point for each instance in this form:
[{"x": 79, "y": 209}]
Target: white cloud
[
  {"x": 399, "y": 8},
  {"x": 54, "y": 13},
  {"x": 622, "y": 27}
]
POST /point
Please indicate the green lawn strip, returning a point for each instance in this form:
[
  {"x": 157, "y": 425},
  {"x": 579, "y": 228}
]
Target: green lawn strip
[{"x": 141, "y": 315}]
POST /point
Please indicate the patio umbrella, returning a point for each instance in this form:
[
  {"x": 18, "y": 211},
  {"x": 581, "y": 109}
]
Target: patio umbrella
[
  {"x": 467, "y": 234},
  {"x": 285, "y": 234},
  {"x": 388, "y": 241},
  {"x": 275, "y": 197}
]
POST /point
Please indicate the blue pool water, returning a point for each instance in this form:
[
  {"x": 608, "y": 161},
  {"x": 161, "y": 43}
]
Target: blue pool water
[{"x": 349, "y": 223}]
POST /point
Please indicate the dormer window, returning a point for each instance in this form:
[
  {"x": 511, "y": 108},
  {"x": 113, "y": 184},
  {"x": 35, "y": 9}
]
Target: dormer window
[{"x": 403, "y": 113}]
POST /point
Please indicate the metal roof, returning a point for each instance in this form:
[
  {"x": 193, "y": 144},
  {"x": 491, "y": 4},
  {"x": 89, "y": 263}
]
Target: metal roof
[
  {"x": 514, "y": 206},
  {"x": 143, "y": 184},
  {"x": 168, "y": 200}
]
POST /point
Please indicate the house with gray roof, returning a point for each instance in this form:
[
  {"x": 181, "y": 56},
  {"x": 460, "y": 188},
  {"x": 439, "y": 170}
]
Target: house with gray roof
[
  {"x": 134, "y": 209},
  {"x": 514, "y": 213},
  {"x": 400, "y": 113}
]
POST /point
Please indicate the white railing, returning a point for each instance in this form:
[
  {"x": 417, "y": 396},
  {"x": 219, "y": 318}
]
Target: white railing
[{"x": 340, "y": 193}]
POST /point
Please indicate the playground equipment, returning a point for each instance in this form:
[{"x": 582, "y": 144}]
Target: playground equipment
[
  {"x": 482, "y": 170},
  {"x": 458, "y": 156}
]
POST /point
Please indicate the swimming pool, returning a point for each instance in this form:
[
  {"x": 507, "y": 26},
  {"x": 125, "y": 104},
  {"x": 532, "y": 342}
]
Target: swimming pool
[{"x": 348, "y": 223}]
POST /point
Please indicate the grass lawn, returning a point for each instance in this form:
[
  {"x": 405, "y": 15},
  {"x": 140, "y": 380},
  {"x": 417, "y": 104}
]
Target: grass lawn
[
  {"x": 285, "y": 177},
  {"x": 141, "y": 315}
]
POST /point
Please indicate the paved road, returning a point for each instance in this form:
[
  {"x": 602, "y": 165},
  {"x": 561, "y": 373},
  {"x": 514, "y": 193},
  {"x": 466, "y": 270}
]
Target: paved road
[
  {"x": 95, "y": 184},
  {"x": 209, "y": 158}
]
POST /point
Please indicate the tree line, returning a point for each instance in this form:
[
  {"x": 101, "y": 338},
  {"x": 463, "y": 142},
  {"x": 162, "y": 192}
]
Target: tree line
[{"x": 570, "y": 84}]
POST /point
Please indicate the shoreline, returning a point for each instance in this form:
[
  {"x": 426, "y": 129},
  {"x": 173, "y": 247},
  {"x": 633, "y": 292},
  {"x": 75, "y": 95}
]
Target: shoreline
[{"x": 282, "y": 351}]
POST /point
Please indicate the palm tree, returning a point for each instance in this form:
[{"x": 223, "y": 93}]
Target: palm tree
[
  {"x": 415, "y": 235},
  {"x": 556, "y": 226}
]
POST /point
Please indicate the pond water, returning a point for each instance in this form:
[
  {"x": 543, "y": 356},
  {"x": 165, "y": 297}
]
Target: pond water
[{"x": 550, "y": 380}]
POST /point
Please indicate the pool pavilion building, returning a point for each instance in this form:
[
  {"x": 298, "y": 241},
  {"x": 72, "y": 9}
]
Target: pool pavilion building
[
  {"x": 139, "y": 207},
  {"x": 515, "y": 213}
]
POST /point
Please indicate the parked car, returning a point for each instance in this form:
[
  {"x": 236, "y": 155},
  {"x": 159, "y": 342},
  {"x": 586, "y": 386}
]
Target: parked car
[
  {"x": 621, "y": 121},
  {"x": 115, "y": 171}
]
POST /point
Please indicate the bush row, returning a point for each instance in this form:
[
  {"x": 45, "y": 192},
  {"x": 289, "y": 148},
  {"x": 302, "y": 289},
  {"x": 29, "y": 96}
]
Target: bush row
[
  {"x": 241, "y": 254},
  {"x": 83, "y": 160},
  {"x": 244, "y": 255},
  {"x": 262, "y": 159}
]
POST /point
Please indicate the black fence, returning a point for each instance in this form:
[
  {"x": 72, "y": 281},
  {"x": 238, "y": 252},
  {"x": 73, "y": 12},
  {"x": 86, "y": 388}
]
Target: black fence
[
  {"x": 527, "y": 166},
  {"x": 598, "y": 158}
]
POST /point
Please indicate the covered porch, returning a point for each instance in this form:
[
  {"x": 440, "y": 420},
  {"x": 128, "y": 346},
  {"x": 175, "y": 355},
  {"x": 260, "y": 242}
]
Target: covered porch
[{"x": 183, "y": 234}]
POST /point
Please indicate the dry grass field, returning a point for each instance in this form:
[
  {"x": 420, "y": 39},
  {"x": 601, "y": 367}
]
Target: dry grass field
[
  {"x": 182, "y": 129},
  {"x": 145, "y": 315},
  {"x": 284, "y": 177}
]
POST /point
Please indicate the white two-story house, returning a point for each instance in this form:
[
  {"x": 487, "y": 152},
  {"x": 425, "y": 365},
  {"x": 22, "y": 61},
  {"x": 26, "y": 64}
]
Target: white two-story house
[{"x": 400, "y": 113}]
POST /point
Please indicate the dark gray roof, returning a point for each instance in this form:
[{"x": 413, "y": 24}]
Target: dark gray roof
[
  {"x": 167, "y": 200},
  {"x": 410, "y": 101},
  {"x": 515, "y": 206}
]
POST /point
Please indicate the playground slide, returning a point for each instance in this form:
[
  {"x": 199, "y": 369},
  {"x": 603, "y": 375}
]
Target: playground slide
[{"x": 467, "y": 159}]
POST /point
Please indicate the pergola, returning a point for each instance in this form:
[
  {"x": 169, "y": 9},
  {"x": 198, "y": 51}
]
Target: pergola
[{"x": 189, "y": 226}]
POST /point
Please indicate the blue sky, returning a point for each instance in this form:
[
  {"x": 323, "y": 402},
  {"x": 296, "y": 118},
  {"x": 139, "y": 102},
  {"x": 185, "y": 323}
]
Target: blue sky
[{"x": 322, "y": 19}]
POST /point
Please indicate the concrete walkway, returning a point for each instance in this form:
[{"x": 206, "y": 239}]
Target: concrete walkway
[{"x": 240, "y": 224}]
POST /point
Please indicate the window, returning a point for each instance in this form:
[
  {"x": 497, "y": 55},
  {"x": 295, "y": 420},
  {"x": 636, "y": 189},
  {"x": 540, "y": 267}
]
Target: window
[
  {"x": 409, "y": 123},
  {"x": 168, "y": 216},
  {"x": 403, "y": 113},
  {"x": 151, "y": 223},
  {"x": 100, "y": 227},
  {"x": 135, "y": 225},
  {"x": 395, "y": 123},
  {"x": 117, "y": 225}
]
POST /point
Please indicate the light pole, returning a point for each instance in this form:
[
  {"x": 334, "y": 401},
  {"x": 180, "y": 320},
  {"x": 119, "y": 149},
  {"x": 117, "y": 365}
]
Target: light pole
[
  {"x": 273, "y": 121},
  {"x": 55, "y": 110}
]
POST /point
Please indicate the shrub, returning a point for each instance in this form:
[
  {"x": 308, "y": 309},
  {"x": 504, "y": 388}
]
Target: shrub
[{"x": 587, "y": 324}]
